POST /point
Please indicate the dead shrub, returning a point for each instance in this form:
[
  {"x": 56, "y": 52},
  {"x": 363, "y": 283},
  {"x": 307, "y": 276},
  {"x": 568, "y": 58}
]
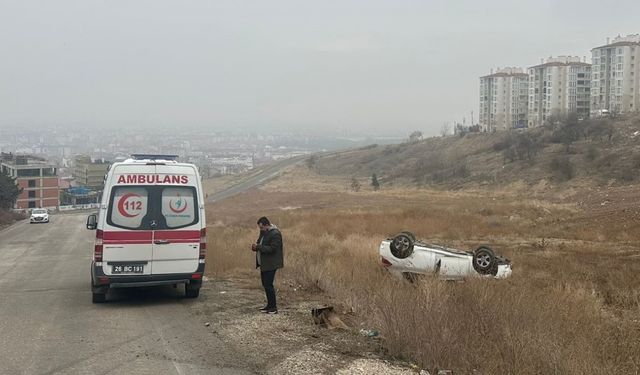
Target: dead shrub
[
  {"x": 9, "y": 217},
  {"x": 592, "y": 153},
  {"x": 521, "y": 146},
  {"x": 636, "y": 161},
  {"x": 496, "y": 326},
  {"x": 562, "y": 168}
]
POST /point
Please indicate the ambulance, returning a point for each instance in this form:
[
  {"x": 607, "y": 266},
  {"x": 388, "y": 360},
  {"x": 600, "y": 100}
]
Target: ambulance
[{"x": 150, "y": 228}]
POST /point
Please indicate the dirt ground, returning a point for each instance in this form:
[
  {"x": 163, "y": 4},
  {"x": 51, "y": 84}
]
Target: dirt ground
[
  {"x": 288, "y": 342},
  {"x": 622, "y": 202}
]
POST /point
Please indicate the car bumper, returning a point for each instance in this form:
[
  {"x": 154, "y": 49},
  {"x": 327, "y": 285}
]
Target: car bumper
[
  {"x": 504, "y": 271},
  {"x": 101, "y": 281}
]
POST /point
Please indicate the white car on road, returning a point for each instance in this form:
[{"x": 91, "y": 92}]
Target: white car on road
[
  {"x": 404, "y": 256},
  {"x": 39, "y": 215}
]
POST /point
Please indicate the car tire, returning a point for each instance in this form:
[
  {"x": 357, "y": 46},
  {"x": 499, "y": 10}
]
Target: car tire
[
  {"x": 98, "y": 297},
  {"x": 484, "y": 260},
  {"x": 411, "y": 235},
  {"x": 402, "y": 245},
  {"x": 191, "y": 291}
]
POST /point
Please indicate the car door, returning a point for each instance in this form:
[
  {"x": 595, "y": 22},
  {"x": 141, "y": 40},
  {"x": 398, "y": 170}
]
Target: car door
[
  {"x": 127, "y": 236},
  {"x": 176, "y": 240}
]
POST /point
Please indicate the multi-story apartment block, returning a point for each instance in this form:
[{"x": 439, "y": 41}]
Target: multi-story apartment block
[
  {"x": 615, "y": 78},
  {"x": 36, "y": 177},
  {"x": 503, "y": 99},
  {"x": 558, "y": 86},
  {"x": 89, "y": 173}
]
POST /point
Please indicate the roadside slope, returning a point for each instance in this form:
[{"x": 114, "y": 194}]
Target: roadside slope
[{"x": 567, "y": 153}]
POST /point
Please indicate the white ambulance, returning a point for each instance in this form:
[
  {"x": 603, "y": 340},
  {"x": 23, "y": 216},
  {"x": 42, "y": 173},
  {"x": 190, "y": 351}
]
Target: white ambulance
[{"x": 151, "y": 227}]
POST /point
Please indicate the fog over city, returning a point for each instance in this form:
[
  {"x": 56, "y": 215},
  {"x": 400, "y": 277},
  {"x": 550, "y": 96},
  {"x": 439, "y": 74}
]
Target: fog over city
[{"x": 332, "y": 67}]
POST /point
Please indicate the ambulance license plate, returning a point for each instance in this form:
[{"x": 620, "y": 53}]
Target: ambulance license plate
[{"x": 128, "y": 268}]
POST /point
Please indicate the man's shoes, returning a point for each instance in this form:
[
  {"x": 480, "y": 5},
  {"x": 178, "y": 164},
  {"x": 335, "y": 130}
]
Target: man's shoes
[
  {"x": 270, "y": 310},
  {"x": 264, "y": 309}
]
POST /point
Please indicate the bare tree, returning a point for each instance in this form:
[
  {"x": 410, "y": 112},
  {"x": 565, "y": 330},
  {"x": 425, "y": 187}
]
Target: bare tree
[
  {"x": 355, "y": 185},
  {"x": 311, "y": 161},
  {"x": 445, "y": 130},
  {"x": 374, "y": 182},
  {"x": 415, "y": 136}
]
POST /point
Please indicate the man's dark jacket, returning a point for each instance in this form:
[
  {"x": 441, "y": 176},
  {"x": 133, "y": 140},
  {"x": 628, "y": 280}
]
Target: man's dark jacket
[{"x": 271, "y": 252}]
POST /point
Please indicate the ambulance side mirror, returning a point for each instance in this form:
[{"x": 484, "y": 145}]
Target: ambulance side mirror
[{"x": 92, "y": 222}]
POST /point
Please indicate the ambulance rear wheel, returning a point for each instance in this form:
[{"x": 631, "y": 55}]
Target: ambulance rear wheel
[
  {"x": 192, "y": 291},
  {"x": 98, "y": 297}
]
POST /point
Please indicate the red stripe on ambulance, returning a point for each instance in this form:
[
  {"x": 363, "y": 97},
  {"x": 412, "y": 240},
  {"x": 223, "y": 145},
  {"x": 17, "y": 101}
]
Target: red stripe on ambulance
[
  {"x": 128, "y": 237},
  {"x": 178, "y": 235},
  {"x": 147, "y": 236}
]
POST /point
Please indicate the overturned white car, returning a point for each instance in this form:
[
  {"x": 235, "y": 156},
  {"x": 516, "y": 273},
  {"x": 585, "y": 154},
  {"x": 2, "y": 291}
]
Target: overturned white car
[{"x": 404, "y": 256}]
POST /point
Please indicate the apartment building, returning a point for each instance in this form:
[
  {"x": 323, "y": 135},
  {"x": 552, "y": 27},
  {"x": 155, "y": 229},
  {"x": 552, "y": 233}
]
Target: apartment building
[
  {"x": 36, "y": 177},
  {"x": 503, "y": 99},
  {"x": 89, "y": 173},
  {"x": 615, "y": 75},
  {"x": 559, "y": 86}
]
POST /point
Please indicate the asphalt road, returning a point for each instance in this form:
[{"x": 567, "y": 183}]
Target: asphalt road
[
  {"x": 48, "y": 324},
  {"x": 256, "y": 179}
]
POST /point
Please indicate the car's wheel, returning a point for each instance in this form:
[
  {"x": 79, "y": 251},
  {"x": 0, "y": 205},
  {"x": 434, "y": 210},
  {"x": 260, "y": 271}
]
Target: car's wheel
[
  {"x": 484, "y": 260},
  {"x": 402, "y": 246},
  {"x": 411, "y": 235},
  {"x": 192, "y": 291},
  {"x": 98, "y": 297}
]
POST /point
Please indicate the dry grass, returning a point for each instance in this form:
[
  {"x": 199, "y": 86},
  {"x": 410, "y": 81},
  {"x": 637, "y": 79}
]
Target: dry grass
[{"x": 571, "y": 307}]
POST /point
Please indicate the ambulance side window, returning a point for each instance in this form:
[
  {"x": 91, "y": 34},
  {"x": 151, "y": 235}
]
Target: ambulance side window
[
  {"x": 179, "y": 206},
  {"x": 128, "y": 206}
]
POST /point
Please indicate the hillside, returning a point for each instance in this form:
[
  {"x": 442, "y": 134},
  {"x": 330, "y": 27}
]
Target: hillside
[{"x": 566, "y": 152}]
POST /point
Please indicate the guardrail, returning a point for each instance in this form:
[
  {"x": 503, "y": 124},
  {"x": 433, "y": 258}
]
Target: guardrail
[{"x": 91, "y": 206}]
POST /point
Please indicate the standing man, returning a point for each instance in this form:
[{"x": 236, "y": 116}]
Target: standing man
[{"x": 269, "y": 257}]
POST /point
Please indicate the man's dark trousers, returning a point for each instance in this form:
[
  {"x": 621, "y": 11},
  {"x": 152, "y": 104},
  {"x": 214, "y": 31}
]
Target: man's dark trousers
[{"x": 267, "y": 282}]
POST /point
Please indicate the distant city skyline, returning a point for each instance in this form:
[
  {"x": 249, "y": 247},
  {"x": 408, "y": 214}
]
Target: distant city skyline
[{"x": 335, "y": 67}]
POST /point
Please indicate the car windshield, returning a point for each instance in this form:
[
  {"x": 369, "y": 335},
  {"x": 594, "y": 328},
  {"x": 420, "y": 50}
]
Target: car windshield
[
  {"x": 41, "y": 211},
  {"x": 135, "y": 207}
]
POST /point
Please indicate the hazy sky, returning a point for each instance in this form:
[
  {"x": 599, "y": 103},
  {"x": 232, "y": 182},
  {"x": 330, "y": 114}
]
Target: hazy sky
[{"x": 387, "y": 67}]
